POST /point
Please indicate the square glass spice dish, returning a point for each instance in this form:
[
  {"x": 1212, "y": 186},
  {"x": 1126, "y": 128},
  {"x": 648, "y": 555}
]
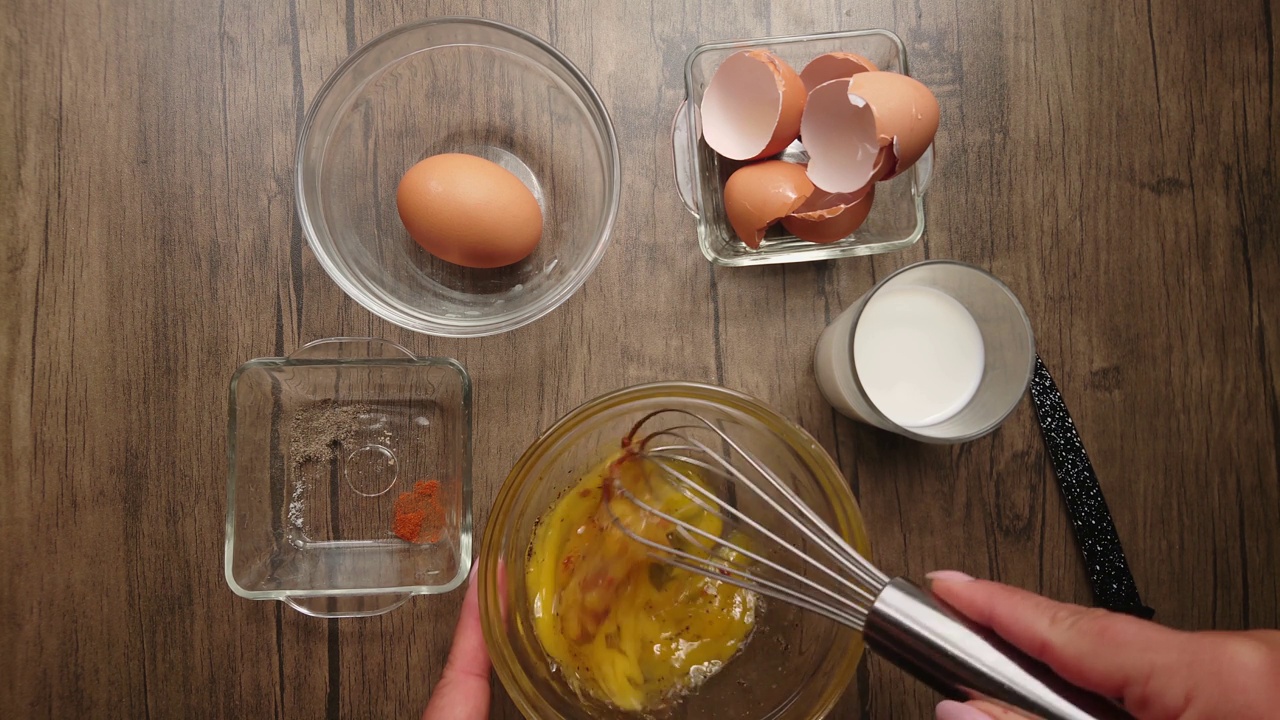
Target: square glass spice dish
[
  {"x": 897, "y": 214},
  {"x": 349, "y": 483}
]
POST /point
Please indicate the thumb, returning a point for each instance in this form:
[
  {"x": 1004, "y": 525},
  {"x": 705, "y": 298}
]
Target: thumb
[
  {"x": 1115, "y": 655},
  {"x": 974, "y": 710},
  {"x": 463, "y": 690}
]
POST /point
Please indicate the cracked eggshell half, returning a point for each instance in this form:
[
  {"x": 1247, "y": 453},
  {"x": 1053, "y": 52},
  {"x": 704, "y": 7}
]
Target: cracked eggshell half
[
  {"x": 906, "y": 117},
  {"x": 834, "y": 66},
  {"x": 752, "y": 106},
  {"x": 827, "y": 217},
  {"x": 760, "y": 194},
  {"x": 840, "y": 137}
]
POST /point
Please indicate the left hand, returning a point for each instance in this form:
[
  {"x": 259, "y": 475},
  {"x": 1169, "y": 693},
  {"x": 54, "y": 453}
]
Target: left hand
[{"x": 463, "y": 690}]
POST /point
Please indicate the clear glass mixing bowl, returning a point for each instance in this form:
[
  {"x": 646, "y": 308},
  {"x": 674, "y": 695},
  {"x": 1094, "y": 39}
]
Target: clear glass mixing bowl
[
  {"x": 796, "y": 664},
  {"x": 455, "y": 85}
]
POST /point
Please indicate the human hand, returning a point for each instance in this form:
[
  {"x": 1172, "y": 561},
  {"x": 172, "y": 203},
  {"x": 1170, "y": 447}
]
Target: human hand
[
  {"x": 1158, "y": 673},
  {"x": 463, "y": 690}
]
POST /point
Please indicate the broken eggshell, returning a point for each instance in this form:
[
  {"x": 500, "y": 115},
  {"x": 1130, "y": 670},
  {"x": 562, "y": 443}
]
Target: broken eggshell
[
  {"x": 906, "y": 118},
  {"x": 760, "y": 194},
  {"x": 827, "y": 217},
  {"x": 840, "y": 137},
  {"x": 834, "y": 66},
  {"x": 752, "y": 106}
]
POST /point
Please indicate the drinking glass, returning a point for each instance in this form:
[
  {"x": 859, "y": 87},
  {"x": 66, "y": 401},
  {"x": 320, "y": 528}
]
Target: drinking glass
[{"x": 939, "y": 351}]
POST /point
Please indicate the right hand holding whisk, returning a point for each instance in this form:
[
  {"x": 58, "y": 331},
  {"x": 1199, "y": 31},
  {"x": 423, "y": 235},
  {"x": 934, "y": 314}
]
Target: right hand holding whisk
[{"x": 1158, "y": 673}]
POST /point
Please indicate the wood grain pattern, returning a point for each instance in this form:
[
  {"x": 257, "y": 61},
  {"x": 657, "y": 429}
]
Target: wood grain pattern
[{"x": 1115, "y": 163}]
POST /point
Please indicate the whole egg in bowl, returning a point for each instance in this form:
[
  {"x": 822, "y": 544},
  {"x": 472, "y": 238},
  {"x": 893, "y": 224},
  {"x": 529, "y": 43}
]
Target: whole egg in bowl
[
  {"x": 469, "y": 211},
  {"x": 457, "y": 259}
]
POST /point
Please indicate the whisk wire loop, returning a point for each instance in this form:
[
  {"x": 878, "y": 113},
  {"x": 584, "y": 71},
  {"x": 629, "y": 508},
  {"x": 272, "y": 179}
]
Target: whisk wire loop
[
  {"x": 852, "y": 615},
  {"x": 815, "y": 529},
  {"x": 855, "y": 562},
  {"x": 720, "y": 569},
  {"x": 693, "y": 491}
]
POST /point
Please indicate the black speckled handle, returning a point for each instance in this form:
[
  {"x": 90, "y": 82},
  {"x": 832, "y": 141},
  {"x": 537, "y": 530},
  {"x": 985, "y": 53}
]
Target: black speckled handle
[{"x": 1113, "y": 584}]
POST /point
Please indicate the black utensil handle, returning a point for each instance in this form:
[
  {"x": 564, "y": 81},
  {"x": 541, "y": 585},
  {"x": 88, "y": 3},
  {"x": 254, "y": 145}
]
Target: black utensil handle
[{"x": 1109, "y": 574}]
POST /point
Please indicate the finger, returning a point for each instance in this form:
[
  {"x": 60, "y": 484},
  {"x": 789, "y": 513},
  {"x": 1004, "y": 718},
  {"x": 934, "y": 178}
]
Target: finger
[
  {"x": 468, "y": 655},
  {"x": 952, "y": 710},
  {"x": 995, "y": 712},
  {"x": 463, "y": 690},
  {"x": 973, "y": 710},
  {"x": 1111, "y": 654}
]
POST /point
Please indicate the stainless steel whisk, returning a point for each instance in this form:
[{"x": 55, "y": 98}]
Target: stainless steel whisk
[{"x": 899, "y": 621}]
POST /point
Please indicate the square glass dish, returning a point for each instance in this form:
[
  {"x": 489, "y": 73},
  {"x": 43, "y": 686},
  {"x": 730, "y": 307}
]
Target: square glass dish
[
  {"x": 897, "y": 215},
  {"x": 349, "y": 483}
]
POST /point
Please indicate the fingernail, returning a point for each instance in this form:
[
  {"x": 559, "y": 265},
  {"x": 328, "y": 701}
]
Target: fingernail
[
  {"x": 952, "y": 710},
  {"x": 475, "y": 570},
  {"x": 949, "y": 575}
]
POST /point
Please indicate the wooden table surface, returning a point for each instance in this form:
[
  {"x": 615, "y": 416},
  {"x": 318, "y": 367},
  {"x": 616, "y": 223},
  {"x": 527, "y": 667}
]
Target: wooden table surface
[{"x": 1116, "y": 163}]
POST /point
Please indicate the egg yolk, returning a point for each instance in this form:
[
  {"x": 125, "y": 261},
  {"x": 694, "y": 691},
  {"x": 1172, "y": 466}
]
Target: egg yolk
[{"x": 621, "y": 627}]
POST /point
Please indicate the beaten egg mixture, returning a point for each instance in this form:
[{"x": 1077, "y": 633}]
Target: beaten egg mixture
[{"x": 622, "y": 628}]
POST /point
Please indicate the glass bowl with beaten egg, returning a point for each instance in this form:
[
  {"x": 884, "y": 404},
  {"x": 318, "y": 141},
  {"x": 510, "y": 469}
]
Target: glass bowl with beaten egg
[
  {"x": 523, "y": 158},
  {"x": 659, "y": 642}
]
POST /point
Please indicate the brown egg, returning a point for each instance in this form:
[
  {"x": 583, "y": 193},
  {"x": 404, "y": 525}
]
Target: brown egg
[
  {"x": 906, "y": 117},
  {"x": 827, "y": 217},
  {"x": 834, "y": 66},
  {"x": 469, "y": 211},
  {"x": 752, "y": 106},
  {"x": 760, "y": 194}
]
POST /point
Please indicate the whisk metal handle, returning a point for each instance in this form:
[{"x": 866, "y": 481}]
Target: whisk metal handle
[{"x": 908, "y": 627}]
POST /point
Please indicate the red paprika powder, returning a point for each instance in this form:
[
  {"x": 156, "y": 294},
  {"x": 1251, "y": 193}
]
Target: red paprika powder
[{"x": 419, "y": 516}]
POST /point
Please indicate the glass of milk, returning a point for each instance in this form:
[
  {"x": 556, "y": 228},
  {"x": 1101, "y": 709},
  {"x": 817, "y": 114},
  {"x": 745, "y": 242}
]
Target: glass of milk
[{"x": 939, "y": 351}]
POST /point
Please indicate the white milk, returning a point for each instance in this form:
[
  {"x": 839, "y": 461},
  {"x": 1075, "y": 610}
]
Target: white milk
[{"x": 917, "y": 352}]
